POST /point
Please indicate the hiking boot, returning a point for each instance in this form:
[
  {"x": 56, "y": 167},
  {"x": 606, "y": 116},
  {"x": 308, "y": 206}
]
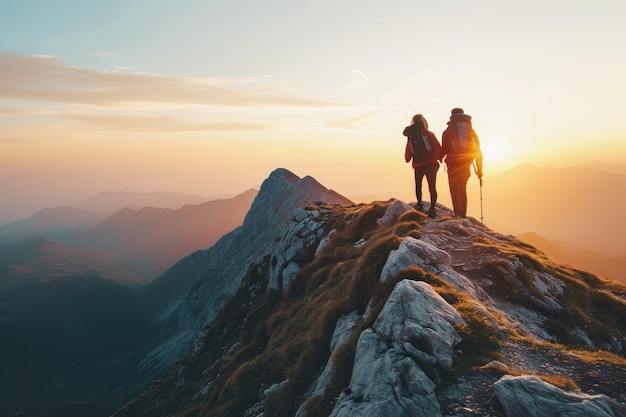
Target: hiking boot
[
  {"x": 432, "y": 212},
  {"x": 420, "y": 207}
]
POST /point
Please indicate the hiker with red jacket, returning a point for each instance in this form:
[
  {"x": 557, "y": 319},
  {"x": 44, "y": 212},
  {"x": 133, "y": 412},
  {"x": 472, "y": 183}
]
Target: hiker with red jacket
[
  {"x": 423, "y": 147},
  {"x": 460, "y": 147}
]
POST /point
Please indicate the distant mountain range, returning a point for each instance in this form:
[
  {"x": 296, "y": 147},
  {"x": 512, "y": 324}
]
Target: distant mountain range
[
  {"x": 316, "y": 306},
  {"x": 583, "y": 206},
  {"x": 613, "y": 267},
  {"x": 112, "y": 201},
  {"x": 50, "y": 222},
  {"x": 156, "y": 238},
  {"x": 129, "y": 246},
  {"x": 92, "y": 210},
  {"x": 619, "y": 169}
]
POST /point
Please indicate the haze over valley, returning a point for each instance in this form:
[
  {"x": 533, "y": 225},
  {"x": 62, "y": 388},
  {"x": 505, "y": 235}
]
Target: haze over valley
[{"x": 133, "y": 237}]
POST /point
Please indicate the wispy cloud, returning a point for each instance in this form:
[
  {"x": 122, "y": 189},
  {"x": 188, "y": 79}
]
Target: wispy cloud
[
  {"x": 44, "y": 78},
  {"x": 358, "y": 78},
  {"x": 352, "y": 123},
  {"x": 161, "y": 124},
  {"x": 11, "y": 111}
]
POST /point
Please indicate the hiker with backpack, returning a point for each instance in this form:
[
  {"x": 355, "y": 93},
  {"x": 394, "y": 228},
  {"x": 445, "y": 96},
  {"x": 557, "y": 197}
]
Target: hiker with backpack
[
  {"x": 423, "y": 147},
  {"x": 460, "y": 147}
]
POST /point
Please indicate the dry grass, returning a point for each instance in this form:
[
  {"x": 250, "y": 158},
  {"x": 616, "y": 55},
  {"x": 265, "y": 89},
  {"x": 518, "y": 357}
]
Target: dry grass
[
  {"x": 295, "y": 335},
  {"x": 344, "y": 278},
  {"x": 590, "y": 303},
  {"x": 286, "y": 339},
  {"x": 599, "y": 356}
]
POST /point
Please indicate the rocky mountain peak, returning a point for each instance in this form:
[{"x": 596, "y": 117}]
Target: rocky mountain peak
[
  {"x": 281, "y": 193},
  {"x": 219, "y": 270},
  {"x": 335, "y": 309}
]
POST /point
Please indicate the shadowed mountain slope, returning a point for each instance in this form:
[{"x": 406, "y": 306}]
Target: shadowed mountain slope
[
  {"x": 42, "y": 259},
  {"x": 62, "y": 339}
]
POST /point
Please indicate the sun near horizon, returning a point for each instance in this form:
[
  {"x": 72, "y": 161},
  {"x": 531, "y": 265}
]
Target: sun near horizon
[{"x": 226, "y": 94}]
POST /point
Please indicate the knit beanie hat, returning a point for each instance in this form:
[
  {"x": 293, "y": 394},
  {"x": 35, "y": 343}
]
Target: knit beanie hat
[{"x": 456, "y": 110}]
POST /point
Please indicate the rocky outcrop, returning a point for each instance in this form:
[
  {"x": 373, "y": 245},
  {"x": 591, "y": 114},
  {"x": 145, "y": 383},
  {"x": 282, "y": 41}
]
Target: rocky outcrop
[
  {"x": 416, "y": 252},
  {"x": 530, "y": 396},
  {"x": 291, "y": 249},
  {"x": 396, "y": 363}
]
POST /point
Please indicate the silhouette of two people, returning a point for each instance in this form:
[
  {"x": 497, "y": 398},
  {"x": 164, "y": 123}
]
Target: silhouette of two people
[{"x": 460, "y": 148}]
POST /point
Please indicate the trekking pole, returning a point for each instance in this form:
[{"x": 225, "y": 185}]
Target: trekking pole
[
  {"x": 481, "y": 192},
  {"x": 481, "y": 200}
]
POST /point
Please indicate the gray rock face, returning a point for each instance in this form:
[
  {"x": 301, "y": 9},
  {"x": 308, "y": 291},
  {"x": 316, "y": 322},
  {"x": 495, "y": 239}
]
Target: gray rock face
[
  {"x": 343, "y": 330},
  {"x": 417, "y": 315},
  {"x": 414, "y": 252},
  {"x": 396, "y": 209},
  {"x": 529, "y": 396},
  {"x": 421, "y": 253},
  {"x": 386, "y": 382},
  {"x": 280, "y": 194},
  {"x": 280, "y": 199},
  {"x": 396, "y": 360},
  {"x": 289, "y": 250}
]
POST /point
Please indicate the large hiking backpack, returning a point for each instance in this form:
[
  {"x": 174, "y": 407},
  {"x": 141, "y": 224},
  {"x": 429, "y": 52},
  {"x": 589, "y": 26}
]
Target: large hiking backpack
[
  {"x": 463, "y": 138},
  {"x": 421, "y": 148}
]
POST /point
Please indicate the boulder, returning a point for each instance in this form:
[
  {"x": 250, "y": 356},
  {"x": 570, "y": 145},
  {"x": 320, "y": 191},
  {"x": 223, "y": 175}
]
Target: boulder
[
  {"x": 387, "y": 383},
  {"x": 414, "y": 252},
  {"x": 394, "y": 210},
  {"x": 530, "y": 396},
  {"x": 417, "y": 314},
  {"x": 395, "y": 361}
]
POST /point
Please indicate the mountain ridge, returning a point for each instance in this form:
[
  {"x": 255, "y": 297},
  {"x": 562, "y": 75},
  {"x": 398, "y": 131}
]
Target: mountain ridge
[
  {"x": 161, "y": 236},
  {"x": 280, "y": 194},
  {"x": 265, "y": 351},
  {"x": 316, "y": 306}
]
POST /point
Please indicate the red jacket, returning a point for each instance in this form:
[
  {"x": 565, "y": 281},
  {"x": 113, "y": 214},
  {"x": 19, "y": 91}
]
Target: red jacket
[{"x": 434, "y": 143}]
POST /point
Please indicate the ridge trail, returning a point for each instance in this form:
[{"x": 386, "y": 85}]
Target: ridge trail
[{"x": 458, "y": 237}]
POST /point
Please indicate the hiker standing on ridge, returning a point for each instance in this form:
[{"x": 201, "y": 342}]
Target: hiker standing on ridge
[
  {"x": 424, "y": 148},
  {"x": 460, "y": 147}
]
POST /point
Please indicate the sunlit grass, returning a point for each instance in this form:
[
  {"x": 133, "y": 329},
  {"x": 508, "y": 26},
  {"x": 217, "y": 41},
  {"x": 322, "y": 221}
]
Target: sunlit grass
[
  {"x": 284, "y": 341},
  {"x": 342, "y": 279},
  {"x": 591, "y": 304}
]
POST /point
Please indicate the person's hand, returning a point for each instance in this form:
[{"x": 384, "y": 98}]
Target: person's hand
[{"x": 479, "y": 172}]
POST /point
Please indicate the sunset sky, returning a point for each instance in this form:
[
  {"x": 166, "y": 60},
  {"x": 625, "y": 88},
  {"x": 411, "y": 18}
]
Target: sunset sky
[{"x": 208, "y": 97}]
